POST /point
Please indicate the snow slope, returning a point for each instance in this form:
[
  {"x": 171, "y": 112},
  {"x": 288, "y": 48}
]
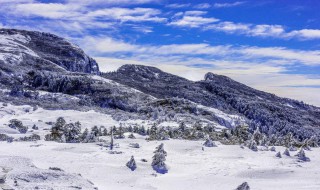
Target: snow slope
[
  {"x": 190, "y": 167},
  {"x": 222, "y": 167}
]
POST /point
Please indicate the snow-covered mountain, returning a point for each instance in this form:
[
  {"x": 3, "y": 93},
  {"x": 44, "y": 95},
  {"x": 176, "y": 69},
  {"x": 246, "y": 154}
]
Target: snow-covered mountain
[
  {"x": 73, "y": 127},
  {"x": 46, "y": 70}
]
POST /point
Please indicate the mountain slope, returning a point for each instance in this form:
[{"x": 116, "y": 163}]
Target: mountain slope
[
  {"x": 270, "y": 113},
  {"x": 42, "y": 69}
]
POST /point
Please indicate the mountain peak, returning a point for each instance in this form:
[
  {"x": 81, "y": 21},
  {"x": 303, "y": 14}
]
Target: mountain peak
[{"x": 43, "y": 51}]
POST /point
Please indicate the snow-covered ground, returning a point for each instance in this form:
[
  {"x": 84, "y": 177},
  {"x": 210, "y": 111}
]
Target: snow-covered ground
[
  {"x": 222, "y": 167},
  {"x": 88, "y": 165}
]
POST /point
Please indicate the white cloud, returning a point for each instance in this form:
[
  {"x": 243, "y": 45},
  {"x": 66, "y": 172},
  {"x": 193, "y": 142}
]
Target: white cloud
[
  {"x": 305, "y": 34},
  {"x": 202, "y": 6},
  {"x": 273, "y": 55},
  {"x": 263, "y": 30},
  {"x": 47, "y": 10},
  {"x": 127, "y": 14},
  {"x": 191, "y": 19},
  {"x": 225, "y": 5},
  {"x": 178, "y": 6},
  {"x": 112, "y": 2}
]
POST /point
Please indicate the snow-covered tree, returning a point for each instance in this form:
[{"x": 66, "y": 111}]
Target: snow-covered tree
[
  {"x": 302, "y": 156},
  {"x": 252, "y": 145},
  {"x": 243, "y": 186},
  {"x": 111, "y": 140},
  {"x": 292, "y": 148},
  {"x": 131, "y": 136},
  {"x": 153, "y": 133},
  {"x": 34, "y": 127},
  {"x": 209, "y": 143},
  {"x": 57, "y": 129},
  {"x": 120, "y": 133},
  {"x": 84, "y": 135},
  {"x": 95, "y": 131},
  {"x": 273, "y": 149},
  {"x": 72, "y": 132},
  {"x": 278, "y": 155},
  {"x": 158, "y": 160},
  {"x": 286, "y": 152},
  {"x": 131, "y": 164}
]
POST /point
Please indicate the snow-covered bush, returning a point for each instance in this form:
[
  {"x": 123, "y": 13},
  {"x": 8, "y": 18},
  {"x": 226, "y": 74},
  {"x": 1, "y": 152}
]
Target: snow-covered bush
[
  {"x": 278, "y": 155},
  {"x": 286, "y": 152},
  {"x": 158, "y": 160},
  {"x": 209, "y": 143},
  {"x": 131, "y": 136},
  {"x": 134, "y": 145},
  {"x": 33, "y": 137},
  {"x": 131, "y": 164},
  {"x": 252, "y": 145},
  {"x": 17, "y": 124},
  {"x": 302, "y": 156},
  {"x": 243, "y": 186}
]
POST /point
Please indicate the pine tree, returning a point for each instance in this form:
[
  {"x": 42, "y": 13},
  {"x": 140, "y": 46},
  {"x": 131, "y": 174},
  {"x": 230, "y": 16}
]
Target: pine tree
[
  {"x": 131, "y": 164},
  {"x": 252, "y": 145},
  {"x": 286, "y": 152},
  {"x": 273, "y": 149},
  {"x": 104, "y": 132},
  {"x": 120, "y": 133},
  {"x": 209, "y": 143},
  {"x": 158, "y": 160},
  {"x": 84, "y": 135},
  {"x": 57, "y": 129},
  {"x": 111, "y": 140},
  {"x": 278, "y": 155},
  {"x": 95, "y": 131},
  {"x": 243, "y": 186},
  {"x": 72, "y": 132},
  {"x": 131, "y": 136},
  {"x": 153, "y": 132},
  {"x": 302, "y": 156},
  {"x": 292, "y": 148}
]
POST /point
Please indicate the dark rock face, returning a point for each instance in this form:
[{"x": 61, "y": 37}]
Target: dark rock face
[
  {"x": 41, "y": 50},
  {"x": 270, "y": 113}
]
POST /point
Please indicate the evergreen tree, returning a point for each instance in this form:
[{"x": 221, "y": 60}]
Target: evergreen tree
[
  {"x": 252, "y": 145},
  {"x": 278, "y": 155},
  {"x": 95, "y": 131},
  {"x": 209, "y": 143},
  {"x": 292, "y": 148},
  {"x": 131, "y": 164},
  {"x": 72, "y": 132},
  {"x": 158, "y": 160},
  {"x": 302, "y": 156},
  {"x": 104, "y": 132},
  {"x": 131, "y": 136},
  {"x": 257, "y": 136},
  {"x": 84, "y": 135},
  {"x": 243, "y": 186},
  {"x": 286, "y": 152},
  {"x": 111, "y": 140},
  {"x": 57, "y": 129},
  {"x": 153, "y": 132},
  {"x": 120, "y": 133},
  {"x": 273, "y": 149}
]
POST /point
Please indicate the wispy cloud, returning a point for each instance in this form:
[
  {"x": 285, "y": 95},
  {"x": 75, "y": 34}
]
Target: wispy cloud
[
  {"x": 178, "y": 6},
  {"x": 225, "y": 5},
  {"x": 191, "y": 19},
  {"x": 202, "y": 6}
]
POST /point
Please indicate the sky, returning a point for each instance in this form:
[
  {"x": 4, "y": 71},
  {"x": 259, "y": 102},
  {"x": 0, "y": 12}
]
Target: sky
[{"x": 271, "y": 45}]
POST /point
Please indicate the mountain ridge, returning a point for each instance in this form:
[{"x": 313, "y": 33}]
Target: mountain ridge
[{"x": 35, "y": 62}]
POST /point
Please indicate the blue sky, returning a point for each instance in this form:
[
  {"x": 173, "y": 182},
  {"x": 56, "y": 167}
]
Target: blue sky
[{"x": 272, "y": 45}]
